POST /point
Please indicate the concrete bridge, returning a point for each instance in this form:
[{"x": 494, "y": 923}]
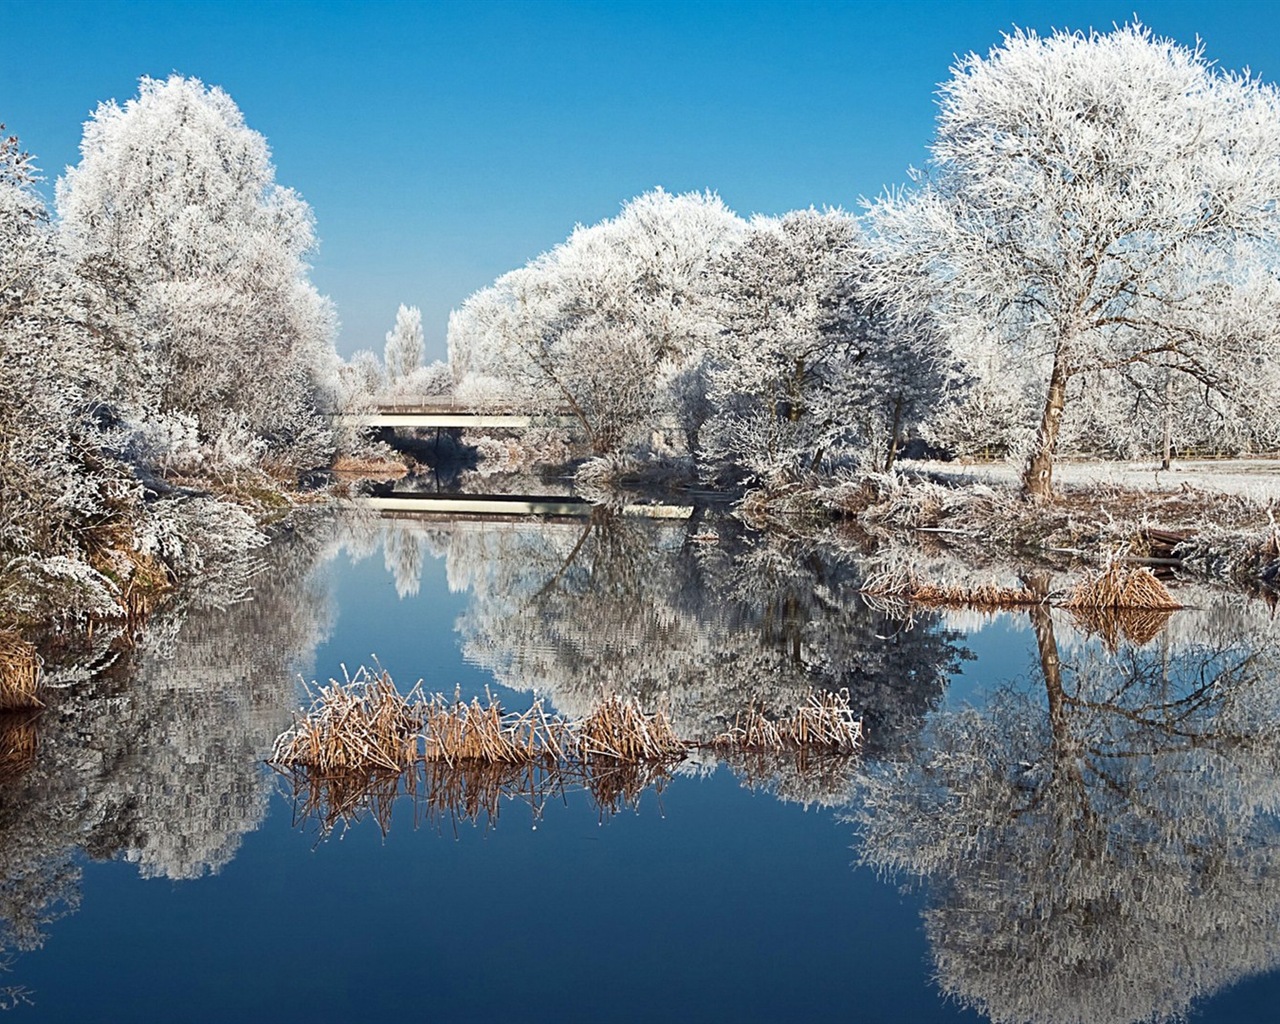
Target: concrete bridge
[
  {"x": 454, "y": 414},
  {"x": 506, "y": 506}
]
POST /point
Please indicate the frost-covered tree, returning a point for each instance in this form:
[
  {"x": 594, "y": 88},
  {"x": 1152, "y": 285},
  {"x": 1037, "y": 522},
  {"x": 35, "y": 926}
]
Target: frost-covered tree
[
  {"x": 804, "y": 364},
  {"x": 177, "y": 191},
  {"x": 56, "y": 395},
  {"x": 599, "y": 324},
  {"x": 403, "y": 353},
  {"x": 433, "y": 381},
  {"x": 1097, "y": 203}
]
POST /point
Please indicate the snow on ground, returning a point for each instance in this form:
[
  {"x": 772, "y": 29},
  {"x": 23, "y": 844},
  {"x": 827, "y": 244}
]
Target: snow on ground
[{"x": 1257, "y": 479}]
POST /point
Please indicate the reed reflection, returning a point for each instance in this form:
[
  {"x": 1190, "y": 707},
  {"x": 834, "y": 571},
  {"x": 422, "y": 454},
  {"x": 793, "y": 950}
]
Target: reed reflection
[
  {"x": 1099, "y": 841},
  {"x": 700, "y": 618}
]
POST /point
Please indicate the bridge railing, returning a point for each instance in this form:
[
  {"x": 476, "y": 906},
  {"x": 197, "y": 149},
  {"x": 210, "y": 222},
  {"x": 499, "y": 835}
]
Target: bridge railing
[{"x": 447, "y": 406}]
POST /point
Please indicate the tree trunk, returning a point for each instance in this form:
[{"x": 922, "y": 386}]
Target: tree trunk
[
  {"x": 1037, "y": 477},
  {"x": 1167, "y": 454},
  {"x": 893, "y": 435},
  {"x": 797, "y": 392}
]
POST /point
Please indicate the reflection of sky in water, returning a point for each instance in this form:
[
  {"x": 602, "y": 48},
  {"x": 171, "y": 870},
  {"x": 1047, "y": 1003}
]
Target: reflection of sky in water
[{"x": 710, "y": 901}]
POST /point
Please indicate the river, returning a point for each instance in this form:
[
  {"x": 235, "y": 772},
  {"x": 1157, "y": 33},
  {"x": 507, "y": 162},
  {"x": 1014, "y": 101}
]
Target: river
[{"x": 1053, "y": 819}]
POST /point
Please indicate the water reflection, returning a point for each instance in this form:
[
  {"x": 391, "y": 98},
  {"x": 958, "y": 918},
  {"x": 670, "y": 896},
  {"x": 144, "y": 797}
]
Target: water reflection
[
  {"x": 446, "y": 796},
  {"x": 152, "y": 753},
  {"x": 1099, "y": 841},
  {"x": 697, "y": 618}
]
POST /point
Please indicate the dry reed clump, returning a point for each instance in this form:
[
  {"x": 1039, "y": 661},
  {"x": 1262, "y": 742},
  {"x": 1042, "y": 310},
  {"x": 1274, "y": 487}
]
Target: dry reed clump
[
  {"x": 1117, "y": 586},
  {"x": 363, "y": 724},
  {"x": 454, "y": 731},
  {"x": 19, "y": 673},
  {"x": 362, "y": 744},
  {"x": 905, "y": 585},
  {"x": 620, "y": 729},
  {"x": 824, "y": 722}
]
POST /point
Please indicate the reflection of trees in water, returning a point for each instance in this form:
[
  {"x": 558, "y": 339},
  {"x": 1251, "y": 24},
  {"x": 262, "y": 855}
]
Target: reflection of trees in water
[
  {"x": 157, "y": 757},
  {"x": 651, "y": 610},
  {"x": 1099, "y": 844}
]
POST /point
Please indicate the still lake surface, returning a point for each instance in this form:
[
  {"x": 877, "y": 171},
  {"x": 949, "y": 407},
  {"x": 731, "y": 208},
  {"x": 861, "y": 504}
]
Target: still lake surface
[{"x": 1053, "y": 820}]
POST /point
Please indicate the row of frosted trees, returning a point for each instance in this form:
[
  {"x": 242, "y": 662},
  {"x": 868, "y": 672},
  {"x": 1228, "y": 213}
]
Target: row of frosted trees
[
  {"x": 162, "y": 324},
  {"x": 1088, "y": 264}
]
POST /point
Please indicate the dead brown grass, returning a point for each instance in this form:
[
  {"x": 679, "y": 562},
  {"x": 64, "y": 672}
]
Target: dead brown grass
[
  {"x": 347, "y": 468},
  {"x": 620, "y": 729},
  {"x": 19, "y": 673},
  {"x": 825, "y": 721},
  {"x": 1119, "y": 586},
  {"x": 454, "y": 732},
  {"x": 906, "y": 586},
  {"x": 363, "y": 724}
]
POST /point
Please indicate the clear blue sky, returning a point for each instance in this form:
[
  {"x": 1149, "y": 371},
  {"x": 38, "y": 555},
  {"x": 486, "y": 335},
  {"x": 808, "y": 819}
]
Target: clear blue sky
[{"x": 441, "y": 144}]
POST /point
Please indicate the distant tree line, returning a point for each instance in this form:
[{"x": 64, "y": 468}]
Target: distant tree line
[{"x": 1088, "y": 265}]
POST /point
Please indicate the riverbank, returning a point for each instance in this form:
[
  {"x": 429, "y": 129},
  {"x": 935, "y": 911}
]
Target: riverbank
[
  {"x": 1225, "y": 531},
  {"x": 137, "y": 560}
]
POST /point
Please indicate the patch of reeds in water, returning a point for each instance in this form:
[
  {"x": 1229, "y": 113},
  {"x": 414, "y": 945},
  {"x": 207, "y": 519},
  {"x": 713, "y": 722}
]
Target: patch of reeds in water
[
  {"x": 363, "y": 724},
  {"x": 825, "y": 722},
  {"x": 618, "y": 728},
  {"x": 362, "y": 744},
  {"x": 19, "y": 673},
  {"x": 907, "y": 586},
  {"x": 1118, "y": 586}
]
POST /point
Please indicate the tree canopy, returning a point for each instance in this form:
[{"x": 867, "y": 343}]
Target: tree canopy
[{"x": 1096, "y": 203}]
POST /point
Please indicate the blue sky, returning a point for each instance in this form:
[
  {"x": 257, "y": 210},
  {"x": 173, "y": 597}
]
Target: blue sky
[{"x": 441, "y": 144}]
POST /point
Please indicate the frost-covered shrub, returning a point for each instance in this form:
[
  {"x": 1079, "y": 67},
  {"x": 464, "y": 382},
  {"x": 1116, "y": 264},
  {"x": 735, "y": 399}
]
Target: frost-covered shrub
[
  {"x": 56, "y": 587},
  {"x": 192, "y": 535}
]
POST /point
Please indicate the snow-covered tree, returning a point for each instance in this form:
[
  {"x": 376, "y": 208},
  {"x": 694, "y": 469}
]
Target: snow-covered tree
[
  {"x": 403, "y": 353},
  {"x": 804, "y": 365},
  {"x": 56, "y": 478},
  {"x": 175, "y": 189},
  {"x": 600, "y": 323},
  {"x": 1097, "y": 203}
]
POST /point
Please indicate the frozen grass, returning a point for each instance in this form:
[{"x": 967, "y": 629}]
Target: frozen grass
[
  {"x": 361, "y": 744},
  {"x": 905, "y": 585},
  {"x": 1117, "y": 586}
]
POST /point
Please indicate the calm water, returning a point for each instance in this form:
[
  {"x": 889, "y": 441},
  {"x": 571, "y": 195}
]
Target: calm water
[{"x": 1055, "y": 820}]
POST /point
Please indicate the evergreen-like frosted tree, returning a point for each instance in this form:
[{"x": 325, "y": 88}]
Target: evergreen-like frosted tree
[{"x": 403, "y": 353}]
